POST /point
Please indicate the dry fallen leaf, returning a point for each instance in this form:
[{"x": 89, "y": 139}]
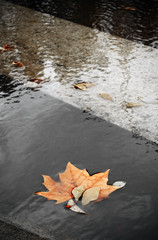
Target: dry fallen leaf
[
  {"x": 131, "y": 105},
  {"x": 18, "y": 64},
  {"x": 129, "y": 8},
  {"x": 73, "y": 177},
  {"x": 105, "y": 96},
  {"x": 84, "y": 85}
]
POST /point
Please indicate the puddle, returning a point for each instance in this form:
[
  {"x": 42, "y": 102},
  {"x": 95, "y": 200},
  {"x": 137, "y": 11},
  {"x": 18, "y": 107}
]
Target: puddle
[
  {"x": 40, "y": 137},
  {"x": 140, "y": 23}
]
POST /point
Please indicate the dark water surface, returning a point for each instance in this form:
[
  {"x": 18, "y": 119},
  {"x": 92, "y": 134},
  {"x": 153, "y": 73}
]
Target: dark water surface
[
  {"x": 40, "y": 137},
  {"x": 140, "y": 24}
]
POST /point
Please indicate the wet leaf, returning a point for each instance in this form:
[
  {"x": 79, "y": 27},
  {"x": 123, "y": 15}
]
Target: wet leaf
[
  {"x": 90, "y": 194},
  {"x": 8, "y": 47},
  {"x": 129, "y": 8},
  {"x": 105, "y": 96},
  {"x": 119, "y": 184},
  {"x": 77, "y": 192},
  {"x": 36, "y": 80},
  {"x": 131, "y": 105},
  {"x": 73, "y": 207},
  {"x": 84, "y": 85},
  {"x": 62, "y": 191},
  {"x": 74, "y": 180},
  {"x": 18, "y": 64}
]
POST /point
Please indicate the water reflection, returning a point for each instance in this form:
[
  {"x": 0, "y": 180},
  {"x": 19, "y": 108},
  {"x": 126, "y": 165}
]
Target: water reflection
[
  {"x": 7, "y": 86},
  {"x": 109, "y": 16}
]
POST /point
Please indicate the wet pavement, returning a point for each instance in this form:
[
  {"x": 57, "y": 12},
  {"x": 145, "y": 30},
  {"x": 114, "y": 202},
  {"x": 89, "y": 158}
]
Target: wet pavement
[
  {"x": 64, "y": 53},
  {"x": 10, "y": 232},
  {"x": 44, "y": 128},
  {"x": 40, "y": 137}
]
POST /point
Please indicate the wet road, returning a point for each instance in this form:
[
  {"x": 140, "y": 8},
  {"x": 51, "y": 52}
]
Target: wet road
[
  {"x": 139, "y": 24},
  {"x": 64, "y": 53},
  {"x": 40, "y": 137},
  {"x": 40, "y": 132}
]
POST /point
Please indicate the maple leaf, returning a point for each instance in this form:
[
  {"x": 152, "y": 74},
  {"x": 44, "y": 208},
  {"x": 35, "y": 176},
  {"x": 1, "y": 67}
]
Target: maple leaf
[
  {"x": 74, "y": 182},
  {"x": 62, "y": 191}
]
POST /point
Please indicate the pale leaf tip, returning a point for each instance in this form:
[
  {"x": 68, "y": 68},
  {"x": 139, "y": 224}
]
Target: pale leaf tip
[{"x": 119, "y": 184}]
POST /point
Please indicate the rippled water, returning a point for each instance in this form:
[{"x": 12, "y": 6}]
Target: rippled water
[{"x": 140, "y": 25}]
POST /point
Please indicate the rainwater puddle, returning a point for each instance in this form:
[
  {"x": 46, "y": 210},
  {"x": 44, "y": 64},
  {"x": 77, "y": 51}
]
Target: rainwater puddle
[{"x": 35, "y": 141}]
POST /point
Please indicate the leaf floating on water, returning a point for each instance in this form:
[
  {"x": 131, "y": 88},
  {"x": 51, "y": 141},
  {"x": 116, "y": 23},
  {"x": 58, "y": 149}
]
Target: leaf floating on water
[
  {"x": 62, "y": 191},
  {"x": 73, "y": 207},
  {"x": 129, "y": 8},
  {"x": 84, "y": 85},
  {"x": 36, "y": 80},
  {"x": 18, "y": 64},
  {"x": 90, "y": 195},
  {"x": 131, "y": 105},
  {"x": 105, "y": 96},
  {"x": 119, "y": 184},
  {"x": 76, "y": 183},
  {"x": 77, "y": 192}
]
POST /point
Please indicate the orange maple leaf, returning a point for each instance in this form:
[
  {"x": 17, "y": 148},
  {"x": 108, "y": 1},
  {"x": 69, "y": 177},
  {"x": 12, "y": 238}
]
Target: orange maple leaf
[{"x": 73, "y": 177}]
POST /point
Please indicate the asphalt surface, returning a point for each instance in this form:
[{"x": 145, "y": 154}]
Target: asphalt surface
[{"x": 11, "y": 232}]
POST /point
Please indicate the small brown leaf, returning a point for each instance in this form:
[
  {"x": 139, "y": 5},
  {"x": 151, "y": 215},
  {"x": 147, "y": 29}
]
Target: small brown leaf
[
  {"x": 130, "y": 105},
  {"x": 105, "y": 96},
  {"x": 84, "y": 85},
  {"x": 8, "y": 47},
  {"x": 18, "y": 64},
  {"x": 129, "y": 8},
  {"x": 36, "y": 80}
]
